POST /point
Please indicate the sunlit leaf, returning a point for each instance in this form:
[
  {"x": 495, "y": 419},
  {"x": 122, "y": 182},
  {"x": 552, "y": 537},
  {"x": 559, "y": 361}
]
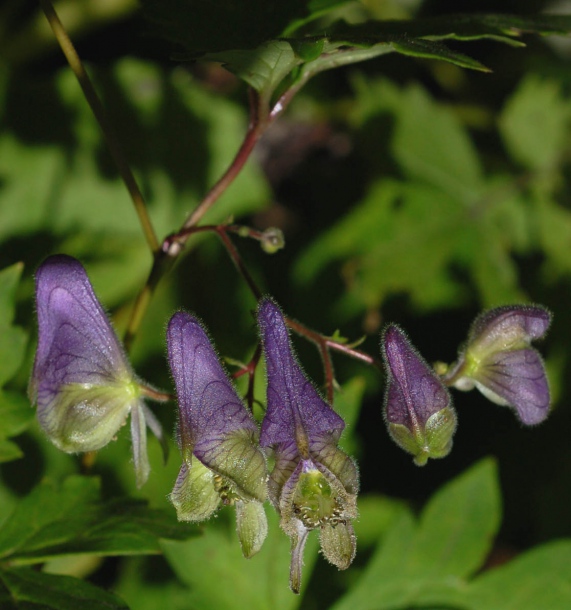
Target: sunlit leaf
[
  {"x": 71, "y": 519},
  {"x": 14, "y": 338},
  {"x": 26, "y": 588},
  {"x": 536, "y": 579},
  {"x": 534, "y": 123},
  {"x": 449, "y": 215},
  {"x": 449, "y": 543},
  {"x": 259, "y": 582},
  {"x": 203, "y": 27}
]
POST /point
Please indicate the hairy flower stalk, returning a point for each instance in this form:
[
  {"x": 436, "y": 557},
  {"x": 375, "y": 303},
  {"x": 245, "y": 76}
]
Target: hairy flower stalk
[
  {"x": 498, "y": 360},
  {"x": 418, "y": 408},
  {"x": 215, "y": 428},
  {"x": 82, "y": 382},
  {"x": 313, "y": 485}
]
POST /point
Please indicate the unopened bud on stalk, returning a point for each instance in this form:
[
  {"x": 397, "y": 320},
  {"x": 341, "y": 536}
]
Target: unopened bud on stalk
[{"x": 418, "y": 408}]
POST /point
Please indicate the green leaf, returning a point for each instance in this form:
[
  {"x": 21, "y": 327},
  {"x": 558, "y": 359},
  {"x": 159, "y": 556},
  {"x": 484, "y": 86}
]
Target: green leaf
[
  {"x": 16, "y": 414},
  {"x": 316, "y": 8},
  {"x": 178, "y": 138},
  {"x": 386, "y": 235},
  {"x": 448, "y": 544},
  {"x": 459, "y": 523},
  {"x": 431, "y": 145},
  {"x": 71, "y": 519},
  {"x": 203, "y": 27},
  {"x": 553, "y": 224},
  {"x": 428, "y": 49},
  {"x": 14, "y": 339},
  {"x": 377, "y": 515},
  {"x": 417, "y": 38},
  {"x": 262, "y": 68},
  {"x": 251, "y": 54},
  {"x": 539, "y": 578},
  {"x": 448, "y": 215},
  {"x": 535, "y": 123},
  {"x": 144, "y": 593},
  {"x": 380, "y": 585},
  {"x": 503, "y": 28},
  {"x": 259, "y": 583},
  {"x": 9, "y": 279},
  {"x": 348, "y": 401},
  {"x": 26, "y": 589},
  {"x": 9, "y": 451}
]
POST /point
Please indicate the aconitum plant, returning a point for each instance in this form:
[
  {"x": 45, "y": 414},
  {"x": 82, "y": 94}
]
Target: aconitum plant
[{"x": 270, "y": 466}]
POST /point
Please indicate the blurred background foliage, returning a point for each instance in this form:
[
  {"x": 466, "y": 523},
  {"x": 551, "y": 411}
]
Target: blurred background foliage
[{"x": 408, "y": 190}]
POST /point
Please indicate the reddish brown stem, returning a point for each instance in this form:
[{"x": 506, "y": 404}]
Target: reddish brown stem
[
  {"x": 250, "y": 370},
  {"x": 257, "y": 125},
  {"x": 324, "y": 344},
  {"x": 237, "y": 260},
  {"x": 156, "y": 394}
]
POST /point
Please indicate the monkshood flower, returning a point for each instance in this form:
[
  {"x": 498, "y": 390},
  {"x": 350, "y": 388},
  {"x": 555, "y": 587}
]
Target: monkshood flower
[
  {"x": 313, "y": 484},
  {"x": 215, "y": 428},
  {"x": 498, "y": 360},
  {"x": 82, "y": 382},
  {"x": 418, "y": 408}
]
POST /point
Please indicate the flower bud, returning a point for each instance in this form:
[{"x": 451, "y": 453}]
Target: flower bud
[
  {"x": 418, "y": 408},
  {"x": 251, "y": 525},
  {"x": 272, "y": 240},
  {"x": 498, "y": 359}
]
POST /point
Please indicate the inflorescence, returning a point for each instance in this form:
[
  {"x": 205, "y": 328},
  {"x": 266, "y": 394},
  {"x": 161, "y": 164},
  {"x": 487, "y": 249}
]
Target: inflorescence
[{"x": 85, "y": 388}]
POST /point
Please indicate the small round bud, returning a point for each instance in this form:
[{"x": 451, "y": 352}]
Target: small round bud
[{"x": 272, "y": 240}]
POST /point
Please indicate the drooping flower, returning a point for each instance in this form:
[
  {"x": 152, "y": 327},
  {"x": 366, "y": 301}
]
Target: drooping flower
[
  {"x": 498, "y": 360},
  {"x": 418, "y": 408},
  {"x": 313, "y": 485},
  {"x": 215, "y": 428},
  {"x": 82, "y": 382}
]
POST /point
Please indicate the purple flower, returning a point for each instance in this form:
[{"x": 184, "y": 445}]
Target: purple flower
[
  {"x": 498, "y": 359},
  {"x": 313, "y": 483},
  {"x": 217, "y": 429},
  {"x": 82, "y": 382},
  {"x": 418, "y": 408}
]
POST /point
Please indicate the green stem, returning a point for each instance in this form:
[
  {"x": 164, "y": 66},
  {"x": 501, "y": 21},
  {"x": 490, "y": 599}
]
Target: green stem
[{"x": 99, "y": 113}]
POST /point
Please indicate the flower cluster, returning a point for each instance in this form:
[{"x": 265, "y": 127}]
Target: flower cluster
[
  {"x": 497, "y": 359},
  {"x": 85, "y": 389}
]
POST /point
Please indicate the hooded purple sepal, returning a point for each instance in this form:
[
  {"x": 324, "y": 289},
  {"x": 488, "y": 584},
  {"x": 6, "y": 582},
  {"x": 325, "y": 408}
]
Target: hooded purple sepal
[
  {"x": 82, "y": 382},
  {"x": 222, "y": 461},
  {"x": 418, "y": 408},
  {"x": 313, "y": 485},
  {"x": 498, "y": 359}
]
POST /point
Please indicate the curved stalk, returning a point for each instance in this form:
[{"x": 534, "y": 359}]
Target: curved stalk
[{"x": 96, "y": 106}]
